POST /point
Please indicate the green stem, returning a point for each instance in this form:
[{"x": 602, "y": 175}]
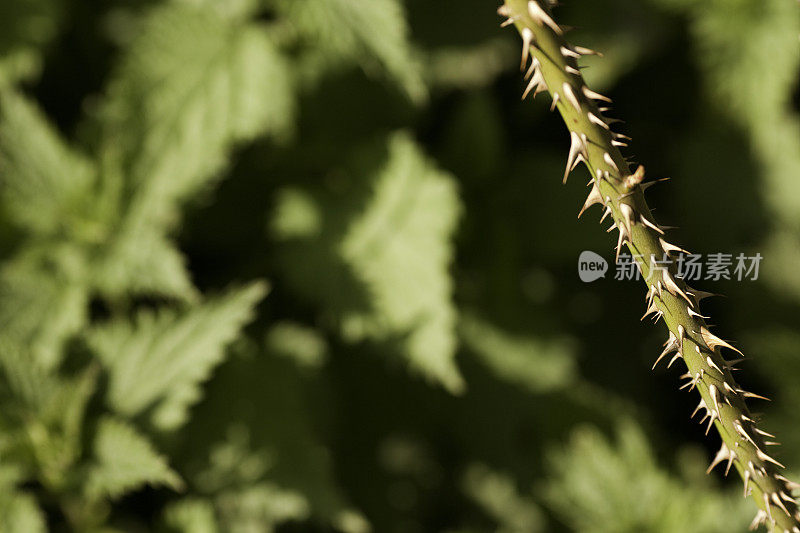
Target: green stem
[{"x": 552, "y": 67}]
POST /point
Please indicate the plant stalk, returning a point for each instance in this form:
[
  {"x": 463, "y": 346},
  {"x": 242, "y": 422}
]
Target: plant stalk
[{"x": 552, "y": 66}]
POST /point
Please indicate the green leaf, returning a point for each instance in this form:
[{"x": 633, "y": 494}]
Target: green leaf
[
  {"x": 124, "y": 461},
  {"x": 379, "y": 259},
  {"x": 400, "y": 249},
  {"x": 365, "y": 32},
  {"x": 190, "y": 515},
  {"x": 602, "y": 487},
  {"x": 160, "y": 360},
  {"x": 143, "y": 261},
  {"x": 193, "y": 85},
  {"x": 304, "y": 345},
  {"x": 45, "y": 301},
  {"x": 497, "y": 494},
  {"x": 46, "y": 184},
  {"x": 19, "y": 513},
  {"x": 537, "y": 365},
  {"x": 260, "y": 506}
]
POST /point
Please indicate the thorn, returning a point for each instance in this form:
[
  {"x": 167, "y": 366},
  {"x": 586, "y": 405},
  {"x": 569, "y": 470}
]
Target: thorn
[
  {"x": 777, "y": 501},
  {"x": 649, "y": 184},
  {"x": 587, "y": 51},
  {"x": 577, "y": 152},
  {"x": 723, "y": 454},
  {"x": 678, "y": 355},
  {"x": 607, "y": 210},
  {"x": 608, "y": 160},
  {"x": 693, "y": 383},
  {"x": 672, "y": 287},
  {"x": 710, "y": 362},
  {"x": 714, "y": 416},
  {"x": 768, "y": 507},
  {"x": 619, "y": 144},
  {"x": 670, "y": 346},
  {"x": 712, "y": 341},
  {"x": 527, "y": 40},
  {"x": 748, "y": 394},
  {"x": 627, "y": 215},
  {"x": 593, "y": 198},
  {"x": 764, "y": 433},
  {"x": 555, "y": 101},
  {"x": 652, "y": 308},
  {"x": 623, "y": 236},
  {"x": 537, "y": 83},
  {"x": 743, "y": 433},
  {"x": 651, "y": 225},
  {"x": 701, "y": 405},
  {"x": 569, "y": 94},
  {"x": 595, "y": 96},
  {"x": 670, "y": 247},
  {"x": 764, "y": 457},
  {"x": 596, "y": 120},
  {"x": 541, "y": 17},
  {"x": 731, "y": 458},
  {"x": 694, "y": 313},
  {"x": 746, "y": 477},
  {"x": 572, "y": 70},
  {"x": 700, "y": 295},
  {"x": 566, "y": 52},
  {"x": 761, "y": 518},
  {"x": 712, "y": 391},
  {"x": 730, "y": 365}
]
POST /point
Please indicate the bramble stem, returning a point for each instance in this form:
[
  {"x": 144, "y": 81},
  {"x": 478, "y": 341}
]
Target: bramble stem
[{"x": 552, "y": 67}]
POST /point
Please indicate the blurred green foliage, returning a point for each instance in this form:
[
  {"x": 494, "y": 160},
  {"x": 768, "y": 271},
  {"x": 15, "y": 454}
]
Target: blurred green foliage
[{"x": 306, "y": 265}]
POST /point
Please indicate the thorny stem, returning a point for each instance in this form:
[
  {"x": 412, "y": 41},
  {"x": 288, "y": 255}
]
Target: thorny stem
[{"x": 551, "y": 65}]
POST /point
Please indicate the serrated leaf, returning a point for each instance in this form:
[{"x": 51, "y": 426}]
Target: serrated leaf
[
  {"x": 124, "y": 461},
  {"x": 379, "y": 259},
  {"x": 45, "y": 181},
  {"x": 260, "y": 506},
  {"x": 144, "y": 262},
  {"x": 193, "y": 84},
  {"x": 605, "y": 486},
  {"x": 497, "y": 494},
  {"x": 161, "y": 359},
  {"x": 360, "y": 31},
  {"x": 44, "y": 301},
  {"x": 400, "y": 249}
]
